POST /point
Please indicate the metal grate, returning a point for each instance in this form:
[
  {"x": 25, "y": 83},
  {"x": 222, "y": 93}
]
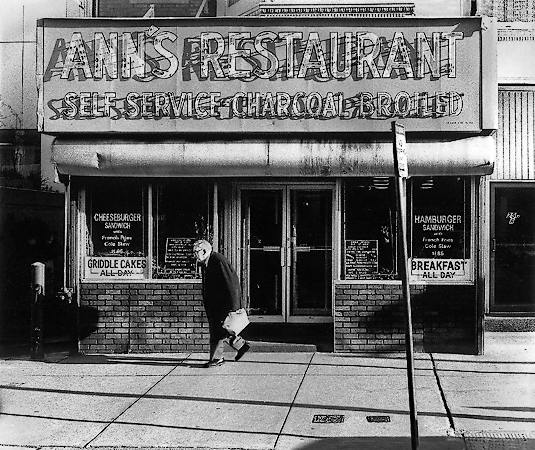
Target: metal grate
[
  {"x": 328, "y": 418},
  {"x": 378, "y": 419},
  {"x": 495, "y": 440}
]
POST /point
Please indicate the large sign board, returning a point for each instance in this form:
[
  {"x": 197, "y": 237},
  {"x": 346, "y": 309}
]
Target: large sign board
[{"x": 260, "y": 75}]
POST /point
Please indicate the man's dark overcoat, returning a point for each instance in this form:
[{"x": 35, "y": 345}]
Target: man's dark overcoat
[{"x": 221, "y": 288}]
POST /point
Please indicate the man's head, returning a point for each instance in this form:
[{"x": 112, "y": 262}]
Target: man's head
[{"x": 202, "y": 250}]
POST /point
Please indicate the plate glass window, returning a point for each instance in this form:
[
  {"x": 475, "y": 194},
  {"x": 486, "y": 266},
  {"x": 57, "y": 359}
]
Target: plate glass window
[
  {"x": 440, "y": 229},
  {"x": 369, "y": 250},
  {"x": 181, "y": 215},
  {"x": 116, "y": 219},
  {"x": 116, "y": 241}
]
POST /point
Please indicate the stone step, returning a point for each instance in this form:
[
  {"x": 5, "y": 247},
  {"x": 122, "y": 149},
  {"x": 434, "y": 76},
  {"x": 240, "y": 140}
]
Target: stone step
[{"x": 283, "y": 347}]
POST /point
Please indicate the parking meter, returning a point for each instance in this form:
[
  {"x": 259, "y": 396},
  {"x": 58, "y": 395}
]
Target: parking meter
[
  {"x": 38, "y": 292},
  {"x": 38, "y": 277}
]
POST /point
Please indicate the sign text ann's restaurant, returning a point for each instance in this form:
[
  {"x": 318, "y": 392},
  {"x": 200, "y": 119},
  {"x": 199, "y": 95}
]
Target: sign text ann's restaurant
[{"x": 271, "y": 139}]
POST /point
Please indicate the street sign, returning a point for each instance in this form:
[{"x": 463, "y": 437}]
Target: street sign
[{"x": 400, "y": 150}]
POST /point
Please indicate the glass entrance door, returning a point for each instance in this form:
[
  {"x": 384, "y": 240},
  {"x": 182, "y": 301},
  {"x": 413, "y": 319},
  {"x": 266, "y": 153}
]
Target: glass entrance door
[
  {"x": 262, "y": 251},
  {"x": 311, "y": 249},
  {"x": 286, "y": 252},
  {"x": 513, "y": 248}
]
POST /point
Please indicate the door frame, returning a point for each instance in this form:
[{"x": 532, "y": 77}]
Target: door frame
[
  {"x": 286, "y": 187},
  {"x": 494, "y": 185}
]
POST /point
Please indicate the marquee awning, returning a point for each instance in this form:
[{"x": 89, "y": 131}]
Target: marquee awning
[{"x": 261, "y": 157}]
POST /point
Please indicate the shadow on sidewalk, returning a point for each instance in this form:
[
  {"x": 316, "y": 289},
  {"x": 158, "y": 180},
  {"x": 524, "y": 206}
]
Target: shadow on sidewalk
[
  {"x": 425, "y": 443},
  {"x": 383, "y": 443},
  {"x": 125, "y": 358},
  {"x": 55, "y": 350}
]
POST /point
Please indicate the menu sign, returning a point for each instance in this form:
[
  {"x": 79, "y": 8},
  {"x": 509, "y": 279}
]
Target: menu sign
[
  {"x": 438, "y": 235},
  {"x": 361, "y": 259},
  {"x": 179, "y": 259},
  {"x": 132, "y": 268},
  {"x": 117, "y": 233},
  {"x": 438, "y": 247}
]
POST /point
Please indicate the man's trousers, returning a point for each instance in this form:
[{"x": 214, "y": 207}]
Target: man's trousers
[{"x": 219, "y": 337}]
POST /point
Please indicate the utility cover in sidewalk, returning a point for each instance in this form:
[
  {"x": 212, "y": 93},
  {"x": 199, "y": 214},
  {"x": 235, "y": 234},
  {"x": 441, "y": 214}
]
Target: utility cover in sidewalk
[
  {"x": 328, "y": 418},
  {"x": 378, "y": 419}
]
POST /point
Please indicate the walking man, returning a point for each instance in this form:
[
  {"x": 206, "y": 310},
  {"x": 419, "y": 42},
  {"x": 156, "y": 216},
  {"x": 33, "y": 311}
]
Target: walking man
[{"x": 221, "y": 295}]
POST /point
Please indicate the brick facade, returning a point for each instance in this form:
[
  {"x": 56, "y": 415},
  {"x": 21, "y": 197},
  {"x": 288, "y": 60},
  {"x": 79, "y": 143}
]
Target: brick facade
[
  {"x": 163, "y": 317},
  {"x": 370, "y": 317},
  {"x": 142, "y": 318}
]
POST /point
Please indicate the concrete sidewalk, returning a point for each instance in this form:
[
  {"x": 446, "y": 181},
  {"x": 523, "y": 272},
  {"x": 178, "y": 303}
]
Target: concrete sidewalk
[{"x": 271, "y": 400}]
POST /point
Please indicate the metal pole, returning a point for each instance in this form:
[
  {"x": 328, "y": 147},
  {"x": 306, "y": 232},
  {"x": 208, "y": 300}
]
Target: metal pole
[
  {"x": 67, "y": 198},
  {"x": 400, "y": 163},
  {"x": 66, "y": 292},
  {"x": 401, "y": 188}
]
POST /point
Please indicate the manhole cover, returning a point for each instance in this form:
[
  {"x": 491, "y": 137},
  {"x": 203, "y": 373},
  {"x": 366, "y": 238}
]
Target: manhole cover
[
  {"x": 328, "y": 418},
  {"x": 378, "y": 419}
]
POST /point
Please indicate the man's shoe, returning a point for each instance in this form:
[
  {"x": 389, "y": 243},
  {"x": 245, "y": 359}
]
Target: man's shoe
[
  {"x": 242, "y": 351},
  {"x": 214, "y": 363}
]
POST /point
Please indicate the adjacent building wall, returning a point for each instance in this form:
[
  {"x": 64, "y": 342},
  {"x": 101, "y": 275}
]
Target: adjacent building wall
[
  {"x": 20, "y": 153},
  {"x": 515, "y": 138},
  {"x": 515, "y": 143},
  {"x": 350, "y": 8}
]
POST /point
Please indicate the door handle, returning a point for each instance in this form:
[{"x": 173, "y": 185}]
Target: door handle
[
  {"x": 289, "y": 256},
  {"x": 493, "y": 245},
  {"x": 283, "y": 256}
]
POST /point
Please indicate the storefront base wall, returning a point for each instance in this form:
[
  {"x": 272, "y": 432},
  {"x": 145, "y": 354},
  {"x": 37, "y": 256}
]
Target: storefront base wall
[
  {"x": 370, "y": 317},
  {"x": 142, "y": 318},
  {"x": 163, "y": 318}
]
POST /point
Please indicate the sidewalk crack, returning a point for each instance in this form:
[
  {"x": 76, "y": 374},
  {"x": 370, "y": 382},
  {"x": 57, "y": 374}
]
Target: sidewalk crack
[
  {"x": 293, "y": 401},
  {"x": 133, "y": 403},
  {"x": 442, "y": 394}
]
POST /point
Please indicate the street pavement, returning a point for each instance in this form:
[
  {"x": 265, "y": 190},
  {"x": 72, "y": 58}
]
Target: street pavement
[{"x": 272, "y": 400}]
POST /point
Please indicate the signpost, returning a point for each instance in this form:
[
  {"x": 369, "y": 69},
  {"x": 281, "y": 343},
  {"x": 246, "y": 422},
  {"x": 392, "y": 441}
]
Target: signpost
[{"x": 401, "y": 170}]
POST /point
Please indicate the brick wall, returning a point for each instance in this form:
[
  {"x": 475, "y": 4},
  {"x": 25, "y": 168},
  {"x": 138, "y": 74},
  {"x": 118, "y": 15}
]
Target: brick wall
[
  {"x": 370, "y": 317},
  {"x": 162, "y": 317},
  {"x": 142, "y": 317}
]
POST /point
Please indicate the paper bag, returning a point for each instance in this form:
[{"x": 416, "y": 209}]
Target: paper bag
[{"x": 236, "y": 321}]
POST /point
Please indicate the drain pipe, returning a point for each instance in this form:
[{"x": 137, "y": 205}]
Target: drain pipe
[{"x": 66, "y": 216}]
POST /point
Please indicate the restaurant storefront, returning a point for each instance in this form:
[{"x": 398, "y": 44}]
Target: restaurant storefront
[{"x": 271, "y": 139}]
